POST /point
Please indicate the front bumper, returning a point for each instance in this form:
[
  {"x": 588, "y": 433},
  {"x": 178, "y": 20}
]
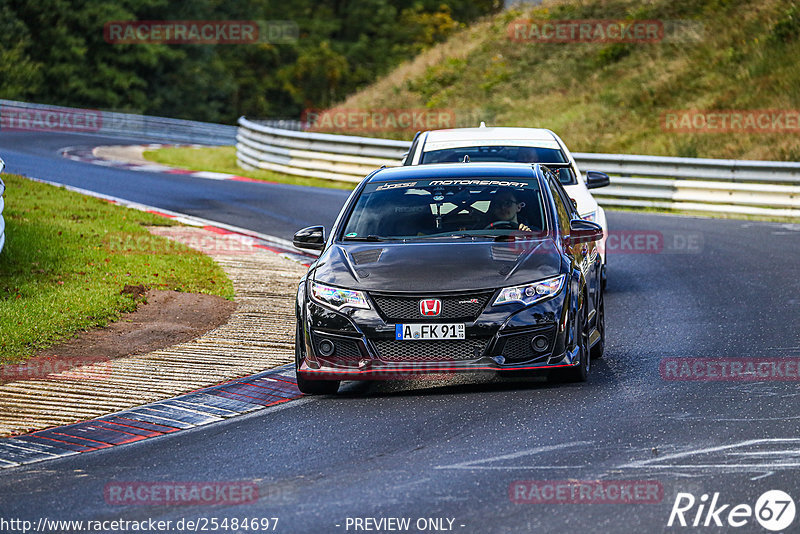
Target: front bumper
[
  {"x": 378, "y": 370},
  {"x": 500, "y": 339}
]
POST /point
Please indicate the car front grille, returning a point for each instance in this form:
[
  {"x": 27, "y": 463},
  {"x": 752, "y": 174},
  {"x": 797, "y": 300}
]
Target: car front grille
[
  {"x": 430, "y": 351},
  {"x": 462, "y": 307}
]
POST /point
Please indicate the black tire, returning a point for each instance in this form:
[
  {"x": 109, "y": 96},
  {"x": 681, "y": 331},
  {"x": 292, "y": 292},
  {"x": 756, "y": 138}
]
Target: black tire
[
  {"x": 579, "y": 373},
  {"x": 604, "y": 274},
  {"x": 600, "y": 346},
  {"x": 310, "y": 387}
]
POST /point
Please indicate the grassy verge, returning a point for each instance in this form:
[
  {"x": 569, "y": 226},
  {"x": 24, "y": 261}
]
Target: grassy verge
[
  {"x": 705, "y": 214},
  {"x": 613, "y": 97},
  {"x": 223, "y": 159},
  {"x": 67, "y": 258}
]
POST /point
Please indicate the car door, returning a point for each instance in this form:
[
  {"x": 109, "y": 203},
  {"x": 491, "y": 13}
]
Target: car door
[{"x": 584, "y": 254}]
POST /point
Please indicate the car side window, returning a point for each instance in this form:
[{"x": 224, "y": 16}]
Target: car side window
[
  {"x": 561, "y": 209},
  {"x": 566, "y": 199},
  {"x": 410, "y": 153}
]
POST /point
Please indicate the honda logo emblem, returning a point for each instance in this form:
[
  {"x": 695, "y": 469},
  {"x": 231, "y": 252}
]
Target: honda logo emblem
[{"x": 430, "y": 307}]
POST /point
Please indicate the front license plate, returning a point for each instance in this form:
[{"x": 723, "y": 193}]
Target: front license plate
[{"x": 415, "y": 332}]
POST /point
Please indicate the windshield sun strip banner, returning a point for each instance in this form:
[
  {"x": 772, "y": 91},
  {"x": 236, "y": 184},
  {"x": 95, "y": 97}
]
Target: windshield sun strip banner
[{"x": 453, "y": 182}]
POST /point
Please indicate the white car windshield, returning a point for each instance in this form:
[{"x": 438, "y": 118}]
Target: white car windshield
[{"x": 507, "y": 154}]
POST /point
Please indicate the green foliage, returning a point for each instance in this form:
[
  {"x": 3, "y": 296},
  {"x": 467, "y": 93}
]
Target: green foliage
[
  {"x": 612, "y": 53},
  {"x": 787, "y": 28},
  {"x": 54, "y": 52},
  {"x": 723, "y": 55}
]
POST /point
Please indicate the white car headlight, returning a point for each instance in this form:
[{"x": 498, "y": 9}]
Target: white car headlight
[
  {"x": 591, "y": 216},
  {"x": 530, "y": 293},
  {"x": 338, "y": 298}
]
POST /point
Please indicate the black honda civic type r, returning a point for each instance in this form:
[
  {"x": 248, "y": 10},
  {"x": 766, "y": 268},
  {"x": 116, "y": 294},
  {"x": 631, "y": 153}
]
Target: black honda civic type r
[{"x": 450, "y": 268}]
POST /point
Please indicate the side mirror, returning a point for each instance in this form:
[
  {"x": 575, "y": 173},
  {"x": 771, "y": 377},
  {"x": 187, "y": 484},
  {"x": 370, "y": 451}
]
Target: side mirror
[
  {"x": 595, "y": 179},
  {"x": 312, "y": 238},
  {"x": 581, "y": 231}
]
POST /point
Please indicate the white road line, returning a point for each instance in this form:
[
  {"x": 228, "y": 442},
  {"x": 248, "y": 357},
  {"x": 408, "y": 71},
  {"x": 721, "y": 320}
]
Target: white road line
[
  {"x": 650, "y": 462},
  {"x": 793, "y": 452},
  {"x": 473, "y": 464},
  {"x": 735, "y": 467}
]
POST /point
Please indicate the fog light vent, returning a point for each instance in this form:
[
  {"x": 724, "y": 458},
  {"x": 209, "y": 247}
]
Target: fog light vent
[
  {"x": 539, "y": 343},
  {"x": 326, "y": 347}
]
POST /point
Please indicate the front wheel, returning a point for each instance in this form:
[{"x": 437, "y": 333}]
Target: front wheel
[
  {"x": 599, "y": 347},
  {"x": 580, "y": 372},
  {"x": 310, "y": 387}
]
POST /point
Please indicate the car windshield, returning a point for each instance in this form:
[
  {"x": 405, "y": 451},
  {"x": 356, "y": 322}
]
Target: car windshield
[
  {"x": 509, "y": 154},
  {"x": 447, "y": 208}
]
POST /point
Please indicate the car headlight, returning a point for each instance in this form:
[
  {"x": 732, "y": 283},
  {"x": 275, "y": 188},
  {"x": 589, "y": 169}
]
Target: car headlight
[
  {"x": 338, "y": 298},
  {"x": 591, "y": 216},
  {"x": 530, "y": 293}
]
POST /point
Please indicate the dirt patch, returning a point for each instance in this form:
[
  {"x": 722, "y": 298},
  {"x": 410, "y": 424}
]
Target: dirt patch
[{"x": 162, "y": 319}]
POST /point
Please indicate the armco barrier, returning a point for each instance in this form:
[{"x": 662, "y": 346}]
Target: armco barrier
[
  {"x": 38, "y": 117},
  {"x": 334, "y": 157},
  {"x": 692, "y": 184}
]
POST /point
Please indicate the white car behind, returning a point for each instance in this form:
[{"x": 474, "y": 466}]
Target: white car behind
[{"x": 521, "y": 145}]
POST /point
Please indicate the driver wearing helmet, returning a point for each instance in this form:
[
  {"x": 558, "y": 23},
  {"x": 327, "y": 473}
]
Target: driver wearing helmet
[{"x": 504, "y": 209}]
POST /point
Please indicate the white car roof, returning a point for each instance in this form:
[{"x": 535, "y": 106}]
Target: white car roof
[{"x": 463, "y": 137}]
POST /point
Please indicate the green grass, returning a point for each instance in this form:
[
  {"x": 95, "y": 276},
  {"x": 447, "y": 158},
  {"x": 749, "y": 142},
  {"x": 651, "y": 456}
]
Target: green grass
[
  {"x": 68, "y": 256},
  {"x": 704, "y": 214},
  {"x": 223, "y": 159}
]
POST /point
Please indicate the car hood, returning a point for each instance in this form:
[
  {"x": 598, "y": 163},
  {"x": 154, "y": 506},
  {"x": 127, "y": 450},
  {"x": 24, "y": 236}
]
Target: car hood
[{"x": 437, "y": 267}]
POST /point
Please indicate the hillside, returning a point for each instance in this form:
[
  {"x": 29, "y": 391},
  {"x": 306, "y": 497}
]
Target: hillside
[{"x": 715, "y": 55}]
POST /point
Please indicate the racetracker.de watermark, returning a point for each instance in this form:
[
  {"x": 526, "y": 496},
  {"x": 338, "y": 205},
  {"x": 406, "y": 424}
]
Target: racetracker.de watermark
[
  {"x": 586, "y": 31},
  {"x": 343, "y": 367},
  {"x": 378, "y": 120},
  {"x": 585, "y": 492},
  {"x": 208, "y": 32},
  {"x": 172, "y": 240},
  {"x": 731, "y": 121},
  {"x": 666, "y": 31},
  {"x": 54, "y": 368},
  {"x": 180, "y": 493},
  {"x": 18, "y": 118},
  {"x": 651, "y": 242},
  {"x": 784, "y": 369}
]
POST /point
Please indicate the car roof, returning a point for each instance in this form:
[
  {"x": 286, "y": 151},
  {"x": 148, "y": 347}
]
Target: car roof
[
  {"x": 459, "y": 137},
  {"x": 455, "y": 170}
]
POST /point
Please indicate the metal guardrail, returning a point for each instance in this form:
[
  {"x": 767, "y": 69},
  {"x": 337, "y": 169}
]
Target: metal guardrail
[
  {"x": 25, "y": 116},
  {"x": 2, "y": 205},
  {"x": 691, "y": 184},
  {"x": 327, "y": 156}
]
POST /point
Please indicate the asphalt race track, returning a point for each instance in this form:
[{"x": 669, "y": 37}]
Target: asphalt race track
[
  {"x": 453, "y": 448},
  {"x": 276, "y": 210}
]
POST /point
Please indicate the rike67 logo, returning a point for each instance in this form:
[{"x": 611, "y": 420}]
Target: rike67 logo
[{"x": 774, "y": 510}]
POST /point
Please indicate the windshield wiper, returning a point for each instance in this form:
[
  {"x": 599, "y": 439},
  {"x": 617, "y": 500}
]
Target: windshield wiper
[
  {"x": 495, "y": 237},
  {"x": 454, "y": 236},
  {"x": 364, "y": 238}
]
